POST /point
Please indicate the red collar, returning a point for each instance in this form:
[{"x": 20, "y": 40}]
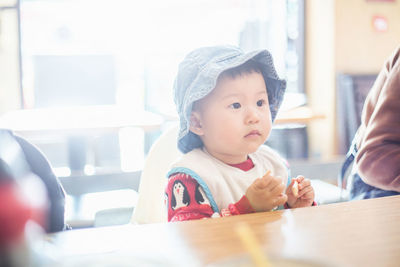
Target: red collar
[{"x": 245, "y": 165}]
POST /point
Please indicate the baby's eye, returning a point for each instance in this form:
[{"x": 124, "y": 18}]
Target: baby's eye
[
  {"x": 235, "y": 105},
  {"x": 261, "y": 102}
]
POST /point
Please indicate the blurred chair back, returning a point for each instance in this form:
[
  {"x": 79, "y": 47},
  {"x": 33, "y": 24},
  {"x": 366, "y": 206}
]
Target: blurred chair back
[
  {"x": 150, "y": 206},
  {"x": 40, "y": 166},
  {"x": 26, "y": 158},
  {"x": 350, "y": 97}
]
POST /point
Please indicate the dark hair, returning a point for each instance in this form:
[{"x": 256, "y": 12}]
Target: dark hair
[{"x": 246, "y": 68}]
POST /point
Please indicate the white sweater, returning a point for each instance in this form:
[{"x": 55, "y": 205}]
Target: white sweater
[{"x": 222, "y": 183}]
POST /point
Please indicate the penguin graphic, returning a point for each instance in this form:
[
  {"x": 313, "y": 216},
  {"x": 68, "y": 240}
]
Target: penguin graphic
[
  {"x": 200, "y": 195},
  {"x": 180, "y": 196}
]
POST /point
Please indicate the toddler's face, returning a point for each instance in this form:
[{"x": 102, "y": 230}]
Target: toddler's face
[{"x": 234, "y": 119}]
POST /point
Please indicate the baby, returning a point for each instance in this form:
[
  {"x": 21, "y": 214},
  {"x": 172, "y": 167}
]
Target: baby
[{"x": 227, "y": 101}]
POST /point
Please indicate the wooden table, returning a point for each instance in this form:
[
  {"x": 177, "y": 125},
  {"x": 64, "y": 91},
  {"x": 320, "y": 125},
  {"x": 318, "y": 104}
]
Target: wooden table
[{"x": 358, "y": 233}]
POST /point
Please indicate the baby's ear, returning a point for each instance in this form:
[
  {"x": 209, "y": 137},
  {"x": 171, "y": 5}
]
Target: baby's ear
[{"x": 195, "y": 123}]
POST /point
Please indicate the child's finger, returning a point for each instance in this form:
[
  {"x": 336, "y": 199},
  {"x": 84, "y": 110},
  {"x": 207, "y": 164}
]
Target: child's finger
[
  {"x": 273, "y": 182},
  {"x": 305, "y": 191},
  {"x": 300, "y": 178},
  {"x": 279, "y": 200},
  {"x": 304, "y": 183},
  {"x": 292, "y": 181},
  {"x": 260, "y": 183},
  {"x": 305, "y": 198},
  {"x": 263, "y": 182},
  {"x": 268, "y": 173},
  {"x": 295, "y": 188},
  {"x": 266, "y": 182},
  {"x": 278, "y": 189}
]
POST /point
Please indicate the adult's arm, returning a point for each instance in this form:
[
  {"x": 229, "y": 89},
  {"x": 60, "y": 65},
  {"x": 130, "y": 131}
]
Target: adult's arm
[{"x": 378, "y": 158}]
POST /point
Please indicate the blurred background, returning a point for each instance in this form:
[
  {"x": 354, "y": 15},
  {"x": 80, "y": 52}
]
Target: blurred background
[{"x": 90, "y": 82}]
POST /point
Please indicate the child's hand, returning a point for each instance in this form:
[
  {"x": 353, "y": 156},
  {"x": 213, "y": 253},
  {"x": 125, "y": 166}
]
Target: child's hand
[
  {"x": 266, "y": 193},
  {"x": 305, "y": 193}
]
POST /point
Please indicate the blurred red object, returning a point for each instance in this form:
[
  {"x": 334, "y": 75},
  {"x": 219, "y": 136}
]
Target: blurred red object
[
  {"x": 23, "y": 195},
  {"x": 14, "y": 214}
]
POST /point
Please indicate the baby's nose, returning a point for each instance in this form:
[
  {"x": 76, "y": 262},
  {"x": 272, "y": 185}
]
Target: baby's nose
[{"x": 252, "y": 116}]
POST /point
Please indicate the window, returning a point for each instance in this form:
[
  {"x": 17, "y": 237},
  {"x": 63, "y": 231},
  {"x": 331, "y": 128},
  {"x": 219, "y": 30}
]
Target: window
[
  {"x": 9, "y": 55},
  {"x": 127, "y": 52}
]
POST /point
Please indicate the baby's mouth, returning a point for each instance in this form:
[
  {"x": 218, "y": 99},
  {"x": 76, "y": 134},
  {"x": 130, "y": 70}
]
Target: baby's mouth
[{"x": 253, "y": 133}]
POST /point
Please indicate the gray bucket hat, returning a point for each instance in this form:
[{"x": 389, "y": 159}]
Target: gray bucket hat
[{"x": 197, "y": 77}]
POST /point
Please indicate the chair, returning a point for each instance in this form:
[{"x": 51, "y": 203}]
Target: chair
[
  {"x": 150, "y": 204},
  {"x": 36, "y": 163},
  {"x": 351, "y": 93}
]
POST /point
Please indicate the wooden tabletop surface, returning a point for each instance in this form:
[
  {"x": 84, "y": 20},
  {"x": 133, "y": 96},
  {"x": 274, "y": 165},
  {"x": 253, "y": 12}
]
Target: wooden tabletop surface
[{"x": 357, "y": 233}]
